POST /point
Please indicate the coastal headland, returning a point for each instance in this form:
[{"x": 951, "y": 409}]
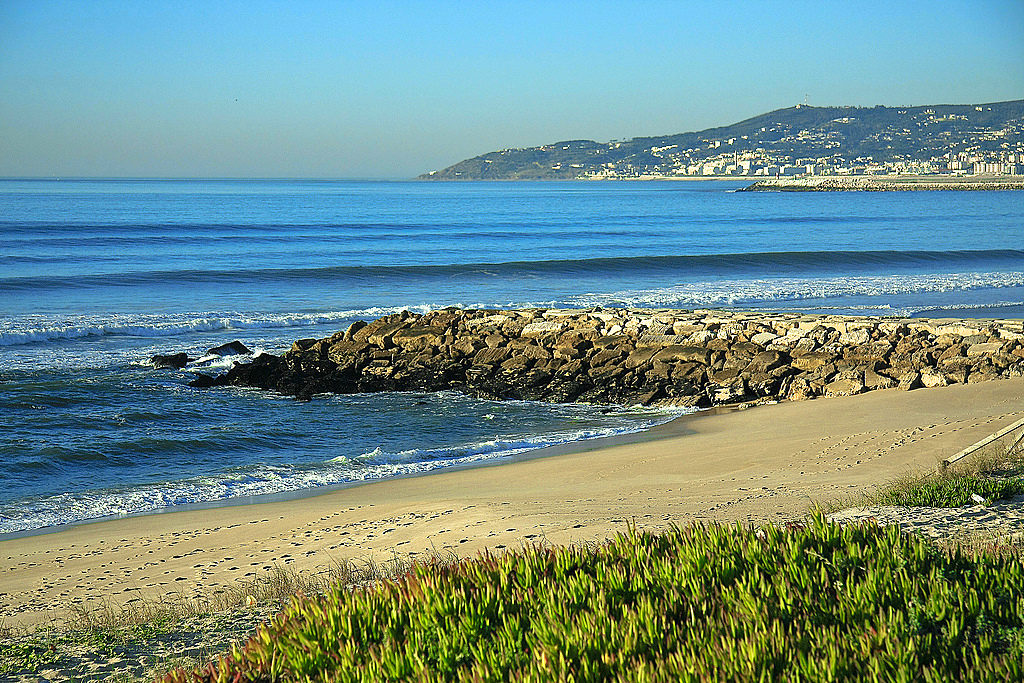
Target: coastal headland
[
  {"x": 676, "y": 357},
  {"x": 819, "y": 141},
  {"x": 767, "y": 463}
]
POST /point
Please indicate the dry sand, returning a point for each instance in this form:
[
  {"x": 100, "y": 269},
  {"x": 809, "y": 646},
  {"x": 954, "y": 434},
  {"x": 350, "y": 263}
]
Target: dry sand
[
  {"x": 767, "y": 463},
  {"x": 1002, "y": 521}
]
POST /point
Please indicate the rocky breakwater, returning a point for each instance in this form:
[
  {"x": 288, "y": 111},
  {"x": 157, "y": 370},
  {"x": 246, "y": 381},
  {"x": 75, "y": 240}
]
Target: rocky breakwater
[
  {"x": 884, "y": 184},
  {"x": 693, "y": 358}
]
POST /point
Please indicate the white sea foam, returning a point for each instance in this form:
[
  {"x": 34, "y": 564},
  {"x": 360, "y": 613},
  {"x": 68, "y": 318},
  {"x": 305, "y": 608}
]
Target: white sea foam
[
  {"x": 35, "y": 329},
  {"x": 39, "y": 329},
  {"x": 761, "y": 291},
  {"x": 69, "y": 508},
  {"x": 215, "y": 362}
]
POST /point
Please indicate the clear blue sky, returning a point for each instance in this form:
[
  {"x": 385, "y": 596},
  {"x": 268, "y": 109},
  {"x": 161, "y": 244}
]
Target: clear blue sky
[{"x": 392, "y": 89}]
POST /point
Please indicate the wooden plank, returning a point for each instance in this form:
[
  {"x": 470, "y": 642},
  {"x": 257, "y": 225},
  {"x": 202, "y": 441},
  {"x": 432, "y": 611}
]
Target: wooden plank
[
  {"x": 1016, "y": 443},
  {"x": 981, "y": 444}
]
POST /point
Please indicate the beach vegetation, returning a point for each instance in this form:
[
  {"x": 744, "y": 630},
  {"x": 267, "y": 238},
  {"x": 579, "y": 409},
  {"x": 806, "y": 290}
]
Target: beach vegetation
[
  {"x": 809, "y": 601},
  {"x": 28, "y": 654},
  {"x": 990, "y": 476},
  {"x": 949, "y": 490},
  {"x": 144, "y": 639}
]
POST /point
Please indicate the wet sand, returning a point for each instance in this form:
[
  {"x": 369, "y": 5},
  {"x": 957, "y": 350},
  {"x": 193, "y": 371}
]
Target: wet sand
[{"x": 767, "y": 463}]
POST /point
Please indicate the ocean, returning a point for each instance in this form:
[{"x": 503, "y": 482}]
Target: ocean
[{"x": 96, "y": 276}]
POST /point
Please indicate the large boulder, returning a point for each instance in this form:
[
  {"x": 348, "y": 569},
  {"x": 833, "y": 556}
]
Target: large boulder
[
  {"x": 232, "y": 348},
  {"x": 174, "y": 361},
  {"x": 846, "y": 386},
  {"x": 732, "y": 392},
  {"x": 418, "y": 338}
]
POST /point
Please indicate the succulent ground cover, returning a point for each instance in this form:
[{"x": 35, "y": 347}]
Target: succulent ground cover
[{"x": 815, "y": 601}]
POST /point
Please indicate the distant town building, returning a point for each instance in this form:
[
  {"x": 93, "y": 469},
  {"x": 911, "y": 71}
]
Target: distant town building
[{"x": 987, "y": 167}]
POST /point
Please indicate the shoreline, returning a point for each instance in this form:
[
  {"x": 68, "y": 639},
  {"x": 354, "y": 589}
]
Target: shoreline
[
  {"x": 551, "y": 450},
  {"x": 767, "y": 463},
  {"x": 981, "y": 315}
]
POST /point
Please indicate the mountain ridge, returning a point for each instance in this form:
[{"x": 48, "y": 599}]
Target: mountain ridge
[{"x": 834, "y": 137}]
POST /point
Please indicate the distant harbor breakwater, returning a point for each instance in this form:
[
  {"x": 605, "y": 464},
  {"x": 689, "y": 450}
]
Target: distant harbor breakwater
[
  {"x": 673, "y": 357},
  {"x": 876, "y": 184}
]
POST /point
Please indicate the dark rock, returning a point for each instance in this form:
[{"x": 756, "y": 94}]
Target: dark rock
[
  {"x": 910, "y": 380},
  {"x": 695, "y": 401},
  {"x": 872, "y": 351},
  {"x": 536, "y": 377},
  {"x": 534, "y": 351},
  {"x": 765, "y": 361},
  {"x": 651, "y": 396},
  {"x": 303, "y": 345},
  {"x": 812, "y": 361},
  {"x": 606, "y": 373},
  {"x": 728, "y": 393},
  {"x": 517, "y": 364},
  {"x": 233, "y": 348},
  {"x": 844, "y": 386},
  {"x": 724, "y": 376},
  {"x": 383, "y": 335},
  {"x": 492, "y": 355},
  {"x": 694, "y": 372},
  {"x": 463, "y": 347},
  {"x": 675, "y": 352},
  {"x": 659, "y": 370},
  {"x": 605, "y": 356},
  {"x": 762, "y": 384},
  {"x": 621, "y": 341},
  {"x": 479, "y": 371},
  {"x": 174, "y": 361},
  {"x": 352, "y": 329},
  {"x": 746, "y": 348},
  {"x": 639, "y": 358},
  {"x": 873, "y": 380},
  {"x": 495, "y": 341},
  {"x": 572, "y": 368},
  {"x": 418, "y": 338},
  {"x": 204, "y": 381},
  {"x": 717, "y": 344}
]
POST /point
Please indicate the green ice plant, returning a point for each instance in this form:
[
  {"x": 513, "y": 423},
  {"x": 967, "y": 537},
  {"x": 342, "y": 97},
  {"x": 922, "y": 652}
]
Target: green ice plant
[
  {"x": 948, "y": 490},
  {"x": 809, "y": 602}
]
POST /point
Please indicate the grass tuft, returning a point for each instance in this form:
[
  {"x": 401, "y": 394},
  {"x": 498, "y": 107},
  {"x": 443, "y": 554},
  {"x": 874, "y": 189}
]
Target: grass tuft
[
  {"x": 948, "y": 490},
  {"x": 994, "y": 475}
]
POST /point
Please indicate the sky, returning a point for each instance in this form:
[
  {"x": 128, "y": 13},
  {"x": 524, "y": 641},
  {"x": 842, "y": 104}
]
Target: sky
[{"x": 391, "y": 89}]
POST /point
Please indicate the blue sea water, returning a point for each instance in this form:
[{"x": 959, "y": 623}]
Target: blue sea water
[{"x": 98, "y": 275}]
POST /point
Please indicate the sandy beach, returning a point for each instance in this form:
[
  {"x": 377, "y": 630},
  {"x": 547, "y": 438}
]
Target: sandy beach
[{"x": 766, "y": 463}]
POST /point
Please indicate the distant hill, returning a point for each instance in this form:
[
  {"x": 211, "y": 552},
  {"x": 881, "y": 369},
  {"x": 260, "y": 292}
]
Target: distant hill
[{"x": 834, "y": 136}]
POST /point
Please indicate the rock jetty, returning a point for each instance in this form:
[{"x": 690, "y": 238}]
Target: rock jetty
[
  {"x": 883, "y": 184},
  {"x": 692, "y": 358}
]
